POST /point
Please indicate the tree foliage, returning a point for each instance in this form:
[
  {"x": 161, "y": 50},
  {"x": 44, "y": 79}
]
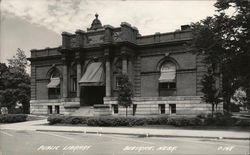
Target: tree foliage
[
  {"x": 224, "y": 39},
  {"x": 239, "y": 98},
  {"x": 211, "y": 94},
  {"x": 125, "y": 91},
  {"x": 15, "y": 83}
]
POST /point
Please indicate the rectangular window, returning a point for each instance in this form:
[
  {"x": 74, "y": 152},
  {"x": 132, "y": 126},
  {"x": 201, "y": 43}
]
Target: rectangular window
[
  {"x": 57, "y": 109},
  {"x": 73, "y": 84},
  {"x": 167, "y": 85},
  {"x": 134, "y": 109},
  {"x": 117, "y": 82},
  {"x": 172, "y": 108},
  {"x": 54, "y": 93},
  {"x": 115, "y": 108},
  {"x": 50, "y": 109},
  {"x": 167, "y": 89},
  {"x": 162, "y": 108}
]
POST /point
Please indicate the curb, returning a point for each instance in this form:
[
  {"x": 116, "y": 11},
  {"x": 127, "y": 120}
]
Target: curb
[{"x": 143, "y": 135}]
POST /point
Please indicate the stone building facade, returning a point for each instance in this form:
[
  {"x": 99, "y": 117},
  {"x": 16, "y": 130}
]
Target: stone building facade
[{"x": 84, "y": 72}]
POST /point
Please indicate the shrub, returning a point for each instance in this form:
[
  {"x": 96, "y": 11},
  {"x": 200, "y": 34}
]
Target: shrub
[
  {"x": 137, "y": 121},
  {"x": 111, "y": 121},
  {"x": 243, "y": 123},
  {"x": 209, "y": 121},
  {"x": 12, "y": 118},
  {"x": 55, "y": 119},
  {"x": 163, "y": 120},
  {"x": 195, "y": 122},
  {"x": 218, "y": 120},
  {"x": 224, "y": 121},
  {"x": 181, "y": 122},
  {"x": 202, "y": 115},
  {"x": 78, "y": 120}
]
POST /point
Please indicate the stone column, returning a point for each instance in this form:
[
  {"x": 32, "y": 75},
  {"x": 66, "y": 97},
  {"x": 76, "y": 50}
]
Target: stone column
[
  {"x": 65, "y": 78},
  {"x": 78, "y": 70},
  {"x": 124, "y": 61},
  {"x": 108, "y": 78}
]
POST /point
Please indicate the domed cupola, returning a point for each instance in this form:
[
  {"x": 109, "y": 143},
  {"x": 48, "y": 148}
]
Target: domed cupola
[{"x": 96, "y": 24}]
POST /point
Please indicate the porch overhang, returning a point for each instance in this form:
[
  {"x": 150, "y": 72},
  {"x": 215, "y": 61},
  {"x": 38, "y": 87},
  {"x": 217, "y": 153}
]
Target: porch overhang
[
  {"x": 93, "y": 76},
  {"x": 54, "y": 83}
]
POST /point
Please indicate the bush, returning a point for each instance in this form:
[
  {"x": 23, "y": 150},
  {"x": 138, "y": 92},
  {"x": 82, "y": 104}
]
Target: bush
[
  {"x": 200, "y": 120},
  {"x": 12, "y": 118},
  {"x": 78, "y": 120},
  {"x": 55, "y": 119},
  {"x": 243, "y": 123},
  {"x": 115, "y": 121},
  {"x": 60, "y": 119},
  {"x": 202, "y": 115},
  {"x": 220, "y": 119}
]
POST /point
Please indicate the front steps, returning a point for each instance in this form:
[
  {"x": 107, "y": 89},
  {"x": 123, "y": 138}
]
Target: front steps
[{"x": 84, "y": 111}]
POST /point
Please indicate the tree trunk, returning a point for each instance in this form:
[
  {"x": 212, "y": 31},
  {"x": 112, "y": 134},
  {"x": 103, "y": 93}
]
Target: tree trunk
[
  {"x": 212, "y": 110},
  {"x": 126, "y": 111},
  {"x": 248, "y": 96},
  {"x": 227, "y": 103}
]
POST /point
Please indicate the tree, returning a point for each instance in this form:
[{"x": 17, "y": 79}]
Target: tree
[
  {"x": 224, "y": 40},
  {"x": 211, "y": 94},
  {"x": 125, "y": 92},
  {"x": 239, "y": 98},
  {"x": 237, "y": 41},
  {"x": 15, "y": 83},
  {"x": 19, "y": 62}
]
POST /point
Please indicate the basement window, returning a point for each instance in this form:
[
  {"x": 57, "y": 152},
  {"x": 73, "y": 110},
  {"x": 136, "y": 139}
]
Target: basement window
[
  {"x": 57, "y": 109},
  {"x": 172, "y": 108},
  {"x": 115, "y": 108},
  {"x": 134, "y": 109},
  {"x": 162, "y": 108},
  {"x": 50, "y": 109}
]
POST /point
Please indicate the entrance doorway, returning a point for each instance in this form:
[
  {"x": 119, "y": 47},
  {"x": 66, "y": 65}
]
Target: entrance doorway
[{"x": 91, "y": 95}]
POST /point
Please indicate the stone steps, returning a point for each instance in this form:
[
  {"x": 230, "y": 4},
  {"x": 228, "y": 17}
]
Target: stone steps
[{"x": 84, "y": 111}]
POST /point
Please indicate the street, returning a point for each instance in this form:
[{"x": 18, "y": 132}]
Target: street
[{"x": 24, "y": 142}]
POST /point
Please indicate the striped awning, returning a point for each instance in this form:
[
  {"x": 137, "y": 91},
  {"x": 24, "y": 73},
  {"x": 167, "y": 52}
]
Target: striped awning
[
  {"x": 54, "y": 83},
  {"x": 93, "y": 76},
  {"x": 168, "y": 72},
  {"x": 167, "y": 77}
]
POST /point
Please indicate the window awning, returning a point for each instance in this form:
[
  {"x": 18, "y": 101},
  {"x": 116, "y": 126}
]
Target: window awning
[
  {"x": 168, "y": 72},
  {"x": 54, "y": 83},
  {"x": 93, "y": 76},
  {"x": 167, "y": 76}
]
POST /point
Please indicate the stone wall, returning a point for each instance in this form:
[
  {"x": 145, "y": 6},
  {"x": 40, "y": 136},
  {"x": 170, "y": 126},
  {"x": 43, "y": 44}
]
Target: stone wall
[
  {"x": 148, "y": 81},
  {"x": 185, "y": 105},
  {"x": 41, "y": 106}
]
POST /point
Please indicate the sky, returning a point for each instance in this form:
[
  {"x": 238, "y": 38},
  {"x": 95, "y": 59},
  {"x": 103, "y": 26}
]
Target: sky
[{"x": 37, "y": 24}]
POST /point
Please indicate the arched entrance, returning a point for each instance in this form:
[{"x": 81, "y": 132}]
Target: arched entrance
[
  {"x": 91, "y": 95},
  {"x": 92, "y": 85}
]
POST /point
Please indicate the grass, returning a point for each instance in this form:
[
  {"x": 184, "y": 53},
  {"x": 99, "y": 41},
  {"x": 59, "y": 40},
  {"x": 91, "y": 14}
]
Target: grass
[
  {"x": 222, "y": 128},
  {"x": 36, "y": 117}
]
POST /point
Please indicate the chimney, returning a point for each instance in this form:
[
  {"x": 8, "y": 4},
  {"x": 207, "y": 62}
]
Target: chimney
[{"x": 185, "y": 27}]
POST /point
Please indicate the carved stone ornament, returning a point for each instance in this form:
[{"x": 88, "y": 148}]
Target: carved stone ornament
[{"x": 117, "y": 36}]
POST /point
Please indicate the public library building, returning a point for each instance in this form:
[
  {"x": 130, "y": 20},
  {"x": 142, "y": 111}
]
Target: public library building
[{"x": 81, "y": 76}]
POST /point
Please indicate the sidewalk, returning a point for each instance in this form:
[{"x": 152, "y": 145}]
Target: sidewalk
[{"x": 40, "y": 125}]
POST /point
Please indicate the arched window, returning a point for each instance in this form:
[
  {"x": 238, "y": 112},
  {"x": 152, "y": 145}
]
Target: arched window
[
  {"x": 54, "y": 84},
  {"x": 167, "y": 80},
  {"x": 55, "y": 73}
]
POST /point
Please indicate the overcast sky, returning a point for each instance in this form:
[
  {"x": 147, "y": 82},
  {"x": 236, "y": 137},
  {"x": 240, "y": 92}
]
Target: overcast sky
[{"x": 36, "y": 24}]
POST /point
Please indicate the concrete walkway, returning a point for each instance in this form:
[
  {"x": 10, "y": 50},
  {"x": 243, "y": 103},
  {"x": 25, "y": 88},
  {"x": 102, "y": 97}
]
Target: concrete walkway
[{"x": 41, "y": 125}]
